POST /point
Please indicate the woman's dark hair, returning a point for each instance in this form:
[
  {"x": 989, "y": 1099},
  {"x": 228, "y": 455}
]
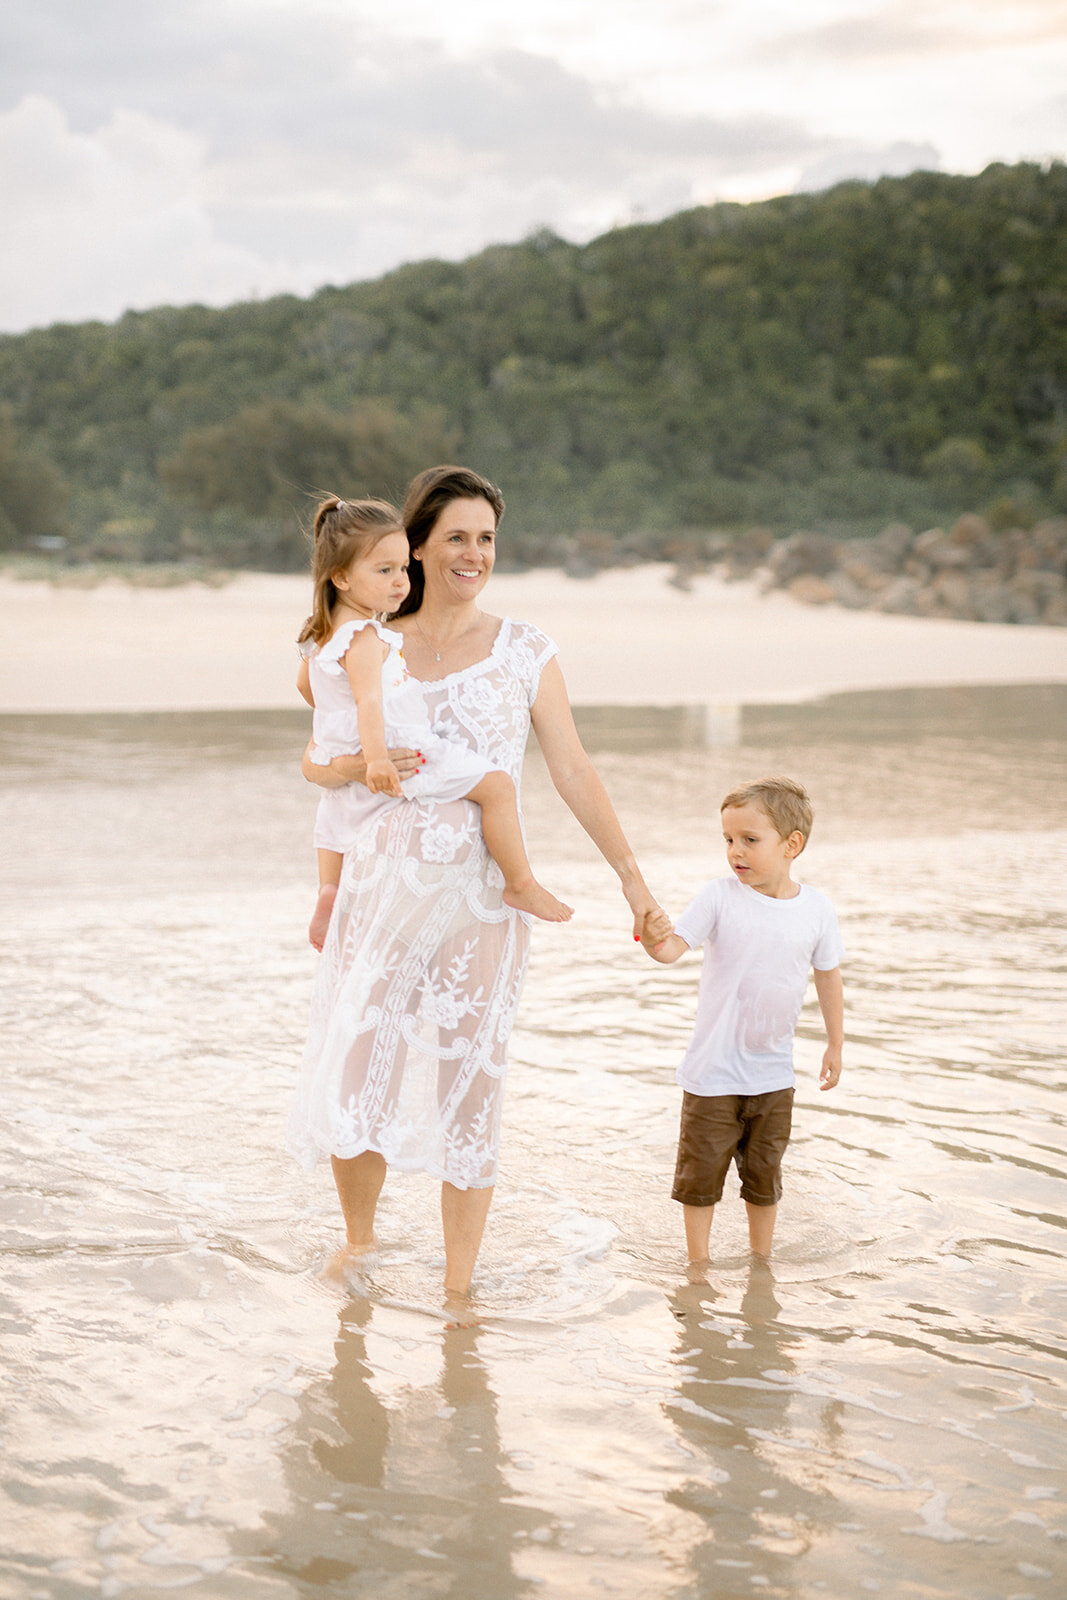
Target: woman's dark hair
[{"x": 428, "y": 495}]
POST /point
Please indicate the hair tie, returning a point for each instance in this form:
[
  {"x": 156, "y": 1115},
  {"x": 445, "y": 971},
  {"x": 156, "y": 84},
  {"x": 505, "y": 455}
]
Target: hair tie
[{"x": 340, "y": 506}]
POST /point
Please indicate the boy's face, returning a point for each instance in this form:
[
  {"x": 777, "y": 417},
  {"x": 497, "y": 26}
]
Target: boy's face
[{"x": 756, "y": 851}]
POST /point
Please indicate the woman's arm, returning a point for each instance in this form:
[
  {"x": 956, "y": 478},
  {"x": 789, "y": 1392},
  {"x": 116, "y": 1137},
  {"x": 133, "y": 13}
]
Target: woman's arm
[
  {"x": 353, "y": 769},
  {"x": 579, "y": 786}
]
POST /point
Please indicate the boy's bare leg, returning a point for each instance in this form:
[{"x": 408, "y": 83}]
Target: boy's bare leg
[
  {"x": 503, "y": 839},
  {"x": 359, "y": 1183},
  {"x": 761, "y": 1220},
  {"x": 697, "y": 1232},
  {"x": 330, "y": 864}
]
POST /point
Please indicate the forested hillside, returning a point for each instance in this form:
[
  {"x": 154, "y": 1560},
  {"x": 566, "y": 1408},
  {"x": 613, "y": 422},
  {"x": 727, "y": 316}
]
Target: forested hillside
[{"x": 832, "y": 361}]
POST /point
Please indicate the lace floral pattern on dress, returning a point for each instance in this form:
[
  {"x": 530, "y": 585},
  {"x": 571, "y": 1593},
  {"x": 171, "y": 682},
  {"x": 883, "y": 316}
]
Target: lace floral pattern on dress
[{"x": 421, "y": 974}]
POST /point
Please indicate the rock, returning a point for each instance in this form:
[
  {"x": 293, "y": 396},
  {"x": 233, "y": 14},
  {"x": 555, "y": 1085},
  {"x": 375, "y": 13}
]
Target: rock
[
  {"x": 1015, "y": 552},
  {"x": 991, "y": 599},
  {"x": 938, "y": 550},
  {"x": 900, "y": 597},
  {"x": 928, "y": 602},
  {"x": 870, "y": 578},
  {"x": 1049, "y": 539},
  {"x": 747, "y": 551},
  {"x": 1036, "y": 589},
  {"x": 802, "y": 553},
  {"x": 893, "y": 543},
  {"x": 974, "y": 535},
  {"x": 846, "y": 591},
  {"x": 812, "y": 590},
  {"x": 953, "y": 590}
]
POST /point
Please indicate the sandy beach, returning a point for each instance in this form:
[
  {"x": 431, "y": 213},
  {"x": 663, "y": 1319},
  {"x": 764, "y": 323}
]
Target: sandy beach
[{"x": 626, "y": 637}]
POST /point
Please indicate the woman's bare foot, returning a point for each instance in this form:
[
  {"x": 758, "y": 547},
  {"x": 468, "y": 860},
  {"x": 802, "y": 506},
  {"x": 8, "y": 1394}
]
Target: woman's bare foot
[
  {"x": 320, "y": 917},
  {"x": 347, "y": 1263},
  {"x": 459, "y": 1310},
  {"x": 530, "y": 897}
]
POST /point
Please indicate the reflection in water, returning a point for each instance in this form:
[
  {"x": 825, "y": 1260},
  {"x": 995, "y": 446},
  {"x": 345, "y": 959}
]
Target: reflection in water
[
  {"x": 732, "y": 1395},
  {"x": 405, "y": 1496},
  {"x": 884, "y": 1414}
]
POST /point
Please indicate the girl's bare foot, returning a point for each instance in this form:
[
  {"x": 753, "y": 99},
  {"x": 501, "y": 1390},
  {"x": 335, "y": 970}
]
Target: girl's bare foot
[
  {"x": 530, "y": 897},
  {"x": 320, "y": 917}
]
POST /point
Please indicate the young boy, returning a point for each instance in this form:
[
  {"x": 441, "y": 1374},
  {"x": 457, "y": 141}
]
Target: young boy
[{"x": 762, "y": 935}]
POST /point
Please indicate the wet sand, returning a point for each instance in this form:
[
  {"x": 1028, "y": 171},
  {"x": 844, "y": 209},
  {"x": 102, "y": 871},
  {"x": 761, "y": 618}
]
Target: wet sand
[{"x": 626, "y": 637}]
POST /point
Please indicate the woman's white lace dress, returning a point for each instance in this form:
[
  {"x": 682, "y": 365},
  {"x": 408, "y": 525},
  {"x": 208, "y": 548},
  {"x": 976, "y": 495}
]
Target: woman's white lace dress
[
  {"x": 420, "y": 976},
  {"x": 451, "y": 769}
]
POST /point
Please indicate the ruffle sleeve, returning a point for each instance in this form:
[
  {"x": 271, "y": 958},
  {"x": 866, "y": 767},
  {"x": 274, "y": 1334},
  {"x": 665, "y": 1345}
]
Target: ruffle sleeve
[{"x": 331, "y": 656}]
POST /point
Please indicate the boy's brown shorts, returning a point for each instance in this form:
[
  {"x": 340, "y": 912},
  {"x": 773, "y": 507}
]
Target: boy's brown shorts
[{"x": 751, "y": 1129}]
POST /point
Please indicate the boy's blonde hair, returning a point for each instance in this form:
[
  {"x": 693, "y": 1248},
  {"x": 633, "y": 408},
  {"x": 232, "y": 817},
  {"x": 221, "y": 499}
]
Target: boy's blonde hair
[{"x": 785, "y": 802}]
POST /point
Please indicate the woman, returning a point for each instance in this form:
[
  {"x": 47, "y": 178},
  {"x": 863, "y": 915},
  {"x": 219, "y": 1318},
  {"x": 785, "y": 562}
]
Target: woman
[{"x": 423, "y": 964}]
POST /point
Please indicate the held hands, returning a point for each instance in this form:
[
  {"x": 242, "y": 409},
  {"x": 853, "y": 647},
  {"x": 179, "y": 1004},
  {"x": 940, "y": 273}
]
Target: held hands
[
  {"x": 831, "y": 1068},
  {"x": 383, "y": 778},
  {"x": 656, "y": 928}
]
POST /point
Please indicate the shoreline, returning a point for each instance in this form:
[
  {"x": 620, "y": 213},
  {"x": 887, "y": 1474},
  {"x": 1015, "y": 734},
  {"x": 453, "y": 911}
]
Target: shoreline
[{"x": 626, "y": 637}]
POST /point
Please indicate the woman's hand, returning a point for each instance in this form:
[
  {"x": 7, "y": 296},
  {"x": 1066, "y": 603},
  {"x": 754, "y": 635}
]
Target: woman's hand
[{"x": 353, "y": 769}]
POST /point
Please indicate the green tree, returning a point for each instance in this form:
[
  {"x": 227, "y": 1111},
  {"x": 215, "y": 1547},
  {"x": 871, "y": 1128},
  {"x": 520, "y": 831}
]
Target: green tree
[
  {"x": 33, "y": 496},
  {"x": 270, "y": 458}
]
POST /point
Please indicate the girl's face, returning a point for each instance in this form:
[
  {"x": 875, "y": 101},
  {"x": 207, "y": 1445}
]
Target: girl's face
[
  {"x": 458, "y": 554},
  {"x": 376, "y": 581}
]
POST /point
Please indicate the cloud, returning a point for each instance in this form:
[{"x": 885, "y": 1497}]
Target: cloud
[
  {"x": 907, "y": 31},
  {"x": 96, "y": 224},
  {"x": 867, "y": 163},
  {"x": 198, "y": 153}
]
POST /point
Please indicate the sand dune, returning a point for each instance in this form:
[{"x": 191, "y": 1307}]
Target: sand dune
[{"x": 626, "y": 638}]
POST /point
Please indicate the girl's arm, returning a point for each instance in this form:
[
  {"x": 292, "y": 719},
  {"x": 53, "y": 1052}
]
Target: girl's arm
[
  {"x": 831, "y": 993},
  {"x": 579, "y": 786},
  {"x": 353, "y": 769},
  {"x": 303, "y": 682},
  {"x": 363, "y": 663}
]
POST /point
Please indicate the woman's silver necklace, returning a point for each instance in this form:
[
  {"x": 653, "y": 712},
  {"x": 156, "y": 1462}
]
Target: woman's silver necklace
[{"x": 436, "y": 653}]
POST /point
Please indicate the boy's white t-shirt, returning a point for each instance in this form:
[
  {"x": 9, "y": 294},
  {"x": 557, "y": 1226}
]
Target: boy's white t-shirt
[{"x": 758, "y": 953}]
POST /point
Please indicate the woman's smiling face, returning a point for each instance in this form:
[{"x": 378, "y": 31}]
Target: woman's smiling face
[{"x": 459, "y": 551}]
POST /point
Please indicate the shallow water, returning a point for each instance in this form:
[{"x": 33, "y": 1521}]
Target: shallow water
[{"x": 189, "y": 1407}]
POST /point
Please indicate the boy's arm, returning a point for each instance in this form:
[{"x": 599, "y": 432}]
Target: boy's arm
[
  {"x": 659, "y": 939},
  {"x": 831, "y": 993},
  {"x": 363, "y": 663}
]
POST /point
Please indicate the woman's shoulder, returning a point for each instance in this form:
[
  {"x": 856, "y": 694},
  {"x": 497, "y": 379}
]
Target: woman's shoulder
[{"x": 526, "y": 637}]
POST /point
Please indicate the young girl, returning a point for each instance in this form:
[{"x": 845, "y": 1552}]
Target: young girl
[{"x": 353, "y": 675}]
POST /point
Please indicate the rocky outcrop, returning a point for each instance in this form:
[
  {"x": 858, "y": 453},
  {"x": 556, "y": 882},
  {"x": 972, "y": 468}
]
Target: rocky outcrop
[{"x": 968, "y": 572}]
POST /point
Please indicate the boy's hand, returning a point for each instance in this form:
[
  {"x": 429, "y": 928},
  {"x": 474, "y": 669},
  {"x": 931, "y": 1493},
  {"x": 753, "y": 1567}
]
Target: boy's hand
[
  {"x": 655, "y": 929},
  {"x": 831, "y": 1068},
  {"x": 383, "y": 778}
]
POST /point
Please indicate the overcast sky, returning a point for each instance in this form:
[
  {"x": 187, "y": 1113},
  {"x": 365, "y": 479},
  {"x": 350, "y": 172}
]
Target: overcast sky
[{"x": 213, "y": 150}]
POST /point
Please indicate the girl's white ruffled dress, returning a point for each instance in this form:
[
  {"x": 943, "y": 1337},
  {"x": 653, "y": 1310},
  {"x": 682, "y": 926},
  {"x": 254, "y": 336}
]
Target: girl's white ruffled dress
[
  {"x": 420, "y": 976},
  {"x": 452, "y": 769}
]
